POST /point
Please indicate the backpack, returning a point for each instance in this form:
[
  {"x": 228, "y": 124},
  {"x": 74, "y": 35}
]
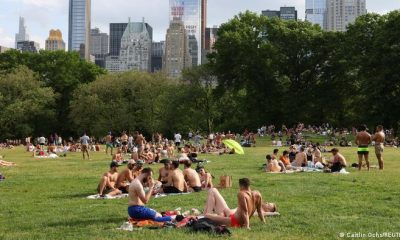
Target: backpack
[{"x": 207, "y": 225}]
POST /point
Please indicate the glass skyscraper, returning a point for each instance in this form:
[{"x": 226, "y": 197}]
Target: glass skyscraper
[
  {"x": 79, "y": 26},
  {"x": 316, "y": 12},
  {"x": 193, "y": 15}
]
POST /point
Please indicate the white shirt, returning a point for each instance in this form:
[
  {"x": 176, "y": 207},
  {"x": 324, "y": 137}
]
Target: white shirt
[{"x": 178, "y": 138}]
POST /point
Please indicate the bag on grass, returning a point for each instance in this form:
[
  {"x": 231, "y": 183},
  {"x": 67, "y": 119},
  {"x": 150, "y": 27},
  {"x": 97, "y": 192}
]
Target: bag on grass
[{"x": 209, "y": 226}]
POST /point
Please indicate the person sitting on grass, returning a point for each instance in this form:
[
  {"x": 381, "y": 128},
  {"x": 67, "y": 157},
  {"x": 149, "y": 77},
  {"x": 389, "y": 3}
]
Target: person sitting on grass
[
  {"x": 137, "y": 170},
  {"x": 117, "y": 157},
  {"x": 275, "y": 154},
  {"x": 284, "y": 159},
  {"x": 205, "y": 178},
  {"x": 138, "y": 198},
  {"x": 192, "y": 178},
  {"x": 175, "y": 181},
  {"x": 338, "y": 161},
  {"x": 249, "y": 202},
  {"x": 107, "y": 182},
  {"x": 125, "y": 177},
  {"x": 273, "y": 165},
  {"x": 301, "y": 158},
  {"x": 163, "y": 172}
]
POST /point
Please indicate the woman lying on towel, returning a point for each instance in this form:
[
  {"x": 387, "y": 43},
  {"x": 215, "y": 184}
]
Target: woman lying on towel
[{"x": 7, "y": 164}]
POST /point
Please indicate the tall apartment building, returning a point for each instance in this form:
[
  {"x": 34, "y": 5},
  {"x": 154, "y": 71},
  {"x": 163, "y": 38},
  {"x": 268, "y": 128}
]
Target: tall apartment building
[
  {"x": 176, "y": 55},
  {"x": 343, "y": 12},
  {"x": 193, "y": 14},
  {"x": 157, "y": 56},
  {"x": 55, "y": 41},
  {"x": 4, "y": 49},
  {"x": 21, "y": 35},
  {"x": 99, "y": 46},
  {"x": 116, "y": 32},
  {"x": 316, "y": 12},
  {"x": 135, "y": 49},
  {"x": 28, "y": 46},
  {"x": 79, "y": 27}
]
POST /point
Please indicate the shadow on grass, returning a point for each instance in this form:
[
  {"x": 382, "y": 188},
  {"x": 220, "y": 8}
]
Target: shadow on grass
[{"x": 86, "y": 222}]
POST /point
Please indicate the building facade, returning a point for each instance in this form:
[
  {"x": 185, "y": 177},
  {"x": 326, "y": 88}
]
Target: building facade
[
  {"x": 316, "y": 12},
  {"x": 210, "y": 39},
  {"x": 343, "y": 12},
  {"x": 79, "y": 27},
  {"x": 28, "y": 46},
  {"x": 176, "y": 55},
  {"x": 4, "y": 49},
  {"x": 135, "y": 51},
  {"x": 55, "y": 41},
  {"x": 99, "y": 46},
  {"x": 157, "y": 56},
  {"x": 22, "y": 34},
  {"x": 285, "y": 13},
  {"x": 193, "y": 14},
  {"x": 116, "y": 32}
]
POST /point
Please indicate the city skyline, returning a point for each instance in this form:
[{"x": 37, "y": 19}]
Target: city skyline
[{"x": 43, "y": 15}]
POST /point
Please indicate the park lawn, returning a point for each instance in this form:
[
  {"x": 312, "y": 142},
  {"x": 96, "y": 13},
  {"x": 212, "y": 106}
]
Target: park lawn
[{"x": 45, "y": 199}]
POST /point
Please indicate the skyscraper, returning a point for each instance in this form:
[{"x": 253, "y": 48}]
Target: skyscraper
[
  {"x": 343, "y": 12},
  {"x": 116, "y": 32},
  {"x": 193, "y": 13},
  {"x": 21, "y": 35},
  {"x": 176, "y": 54},
  {"x": 135, "y": 50},
  {"x": 55, "y": 41},
  {"x": 79, "y": 26},
  {"x": 157, "y": 56},
  {"x": 99, "y": 46},
  {"x": 316, "y": 12},
  {"x": 210, "y": 39},
  {"x": 285, "y": 13},
  {"x": 28, "y": 46}
]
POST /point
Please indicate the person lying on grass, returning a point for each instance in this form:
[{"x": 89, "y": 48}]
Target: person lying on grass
[
  {"x": 250, "y": 203},
  {"x": 107, "y": 183},
  {"x": 6, "y": 164},
  {"x": 138, "y": 198},
  {"x": 273, "y": 165}
]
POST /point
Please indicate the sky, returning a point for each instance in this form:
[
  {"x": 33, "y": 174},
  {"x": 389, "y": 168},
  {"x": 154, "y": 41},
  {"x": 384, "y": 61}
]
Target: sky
[{"x": 43, "y": 15}]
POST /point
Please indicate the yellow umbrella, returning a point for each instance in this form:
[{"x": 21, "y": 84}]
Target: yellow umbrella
[{"x": 232, "y": 144}]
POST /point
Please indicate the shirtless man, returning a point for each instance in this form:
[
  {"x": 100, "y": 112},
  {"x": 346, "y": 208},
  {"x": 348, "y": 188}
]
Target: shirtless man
[
  {"x": 175, "y": 181},
  {"x": 379, "y": 138},
  {"x": 249, "y": 202},
  {"x": 139, "y": 142},
  {"x": 205, "y": 178},
  {"x": 273, "y": 165},
  {"x": 137, "y": 170},
  {"x": 363, "y": 139},
  {"x": 125, "y": 177},
  {"x": 170, "y": 151},
  {"x": 301, "y": 158},
  {"x": 339, "y": 162},
  {"x": 124, "y": 142},
  {"x": 117, "y": 156},
  {"x": 163, "y": 172},
  {"x": 192, "y": 178},
  {"x": 107, "y": 182},
  {"x": 138, "y": 198},
  {"x": 109, "y": 143}
]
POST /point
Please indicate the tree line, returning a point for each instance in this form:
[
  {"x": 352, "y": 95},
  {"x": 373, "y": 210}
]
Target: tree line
[{"x": 262, "y": 71}]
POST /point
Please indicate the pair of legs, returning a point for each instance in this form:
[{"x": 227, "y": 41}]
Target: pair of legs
[
  {"x": 85, "y": 149},
  {"x": 360, "y": 159},
  {"x": 145, "y": 213},
  {"x": 6, "y": 164},
  {"x": 378, "y": 153},
  {"x": 105, "y": 187},
  {"x": 109, "y": 146},
  {"x": 216, "y": 208}
]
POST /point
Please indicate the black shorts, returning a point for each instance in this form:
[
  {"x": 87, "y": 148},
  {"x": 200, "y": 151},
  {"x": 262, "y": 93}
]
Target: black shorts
[
  {"x": 197, "y": 189},
  {"x": 177, "y": 144},
  {"x": 171, "y": 189},
  {"x": 41, "y": 144},
  {"x": 336, "y": 167},
  {"x": 124, "y": 143},
  {"x": 123, "y": 189}
]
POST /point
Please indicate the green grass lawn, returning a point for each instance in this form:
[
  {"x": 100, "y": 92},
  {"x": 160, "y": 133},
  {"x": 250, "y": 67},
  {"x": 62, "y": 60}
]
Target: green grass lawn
[{"x": 45, "y": 199}]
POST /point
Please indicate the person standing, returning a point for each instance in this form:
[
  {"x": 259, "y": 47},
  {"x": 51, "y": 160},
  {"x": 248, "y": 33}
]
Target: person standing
[
  {"x": 178, "y": 138},
  {"x": 85, "y": 145},
  {"x": 363, "y": 139},
  {"x": 379, "y": 138},
  {"x": 109, "y": 143}
]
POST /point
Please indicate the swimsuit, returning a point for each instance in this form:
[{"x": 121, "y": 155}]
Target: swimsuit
[
  {"x": 171, "y": 189},
  {"x": 379, "y": 148},
  {"x": 234, "y": 221},
  {"x": 144, "y": 213},
  {"x": 363, "y": 149},
  {"x": 197, "y": 189}
]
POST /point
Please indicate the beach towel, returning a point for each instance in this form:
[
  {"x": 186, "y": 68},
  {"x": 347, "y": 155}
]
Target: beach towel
[
  {"x": 343, "y": 171},
  {"x": 160, "y": 195},
  {"x": 97, "y": 196}
]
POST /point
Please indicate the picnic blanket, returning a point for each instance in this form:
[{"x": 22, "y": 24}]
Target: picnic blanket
[
  {"x": 51, "y": 155},
  {"x": 97, "y": 196},
  {"x": 160, "y": 195}
]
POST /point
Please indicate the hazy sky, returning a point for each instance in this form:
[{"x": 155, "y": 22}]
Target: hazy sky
[{"x": 43, "y": 15}]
